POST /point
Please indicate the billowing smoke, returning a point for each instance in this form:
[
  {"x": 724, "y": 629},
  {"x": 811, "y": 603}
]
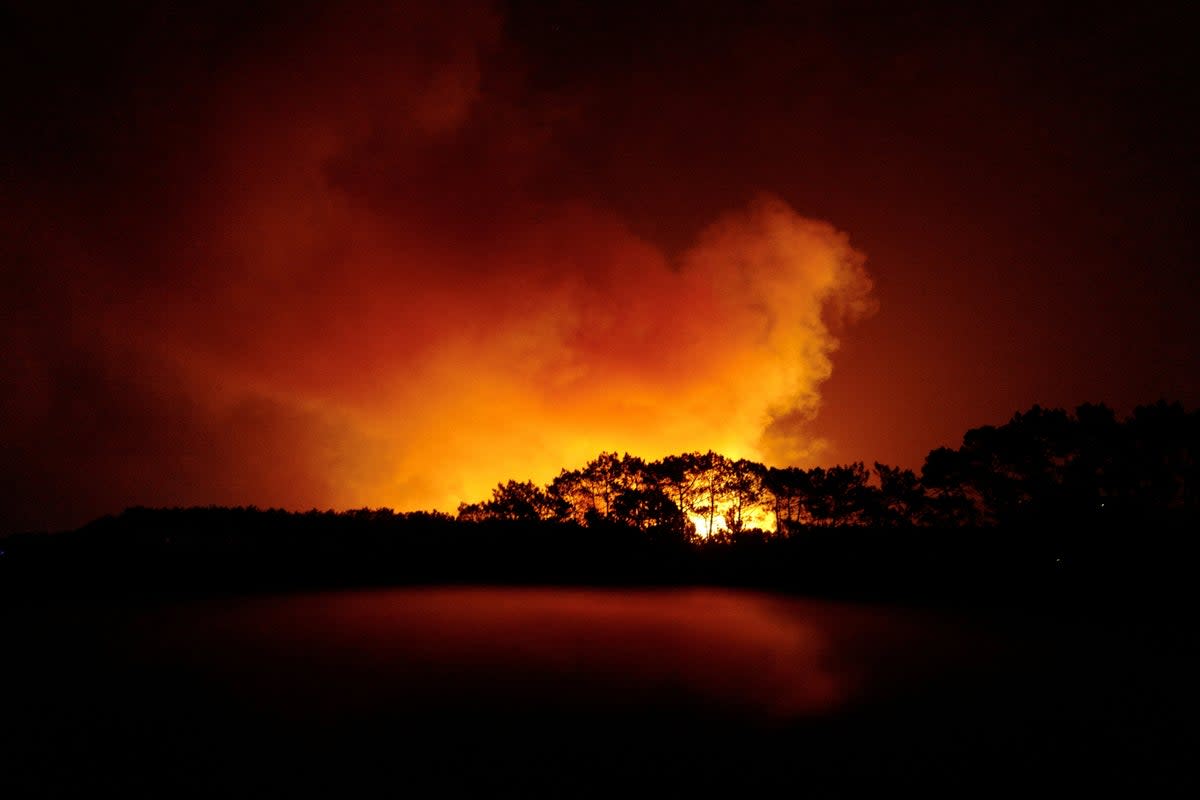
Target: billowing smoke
[{"x": 334, "y": 266}]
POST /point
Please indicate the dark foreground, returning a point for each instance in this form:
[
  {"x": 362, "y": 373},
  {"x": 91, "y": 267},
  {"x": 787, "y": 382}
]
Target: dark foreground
[{"x": 587, "y": 693}]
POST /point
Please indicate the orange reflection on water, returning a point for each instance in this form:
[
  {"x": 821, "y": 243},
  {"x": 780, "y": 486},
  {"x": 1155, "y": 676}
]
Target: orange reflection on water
[{"x": 520, "y": 650}]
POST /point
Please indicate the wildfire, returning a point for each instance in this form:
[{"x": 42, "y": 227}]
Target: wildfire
[
  {"x": 751, "y": 519},
  {"x": 369, "y": 299}
]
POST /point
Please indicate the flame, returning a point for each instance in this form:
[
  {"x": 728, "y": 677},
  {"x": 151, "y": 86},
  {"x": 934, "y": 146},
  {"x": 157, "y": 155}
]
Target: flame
[{"x": 763, "y": 520}]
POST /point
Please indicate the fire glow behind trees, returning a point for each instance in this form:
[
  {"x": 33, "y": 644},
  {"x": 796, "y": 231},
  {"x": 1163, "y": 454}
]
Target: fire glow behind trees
[{"x": 336, "y": 257}]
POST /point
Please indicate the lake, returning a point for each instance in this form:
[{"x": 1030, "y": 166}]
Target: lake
[{"x": 569, "y": 692}]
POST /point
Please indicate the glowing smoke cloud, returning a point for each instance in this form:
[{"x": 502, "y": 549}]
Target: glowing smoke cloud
[{"x": 350, "y": 287}]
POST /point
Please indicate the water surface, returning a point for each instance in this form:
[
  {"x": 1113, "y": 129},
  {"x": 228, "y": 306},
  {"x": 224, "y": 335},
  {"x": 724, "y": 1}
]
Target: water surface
[
  {"x": 722, "y": 652},
  {"x": 556, "y": 692}
]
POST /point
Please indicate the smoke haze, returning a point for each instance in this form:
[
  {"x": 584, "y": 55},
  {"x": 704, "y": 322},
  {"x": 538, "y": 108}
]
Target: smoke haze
[{"x": 329, "y": 263}]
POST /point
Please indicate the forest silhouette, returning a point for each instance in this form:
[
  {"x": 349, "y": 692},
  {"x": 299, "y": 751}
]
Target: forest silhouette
[{"x": 1050, "y": 501}]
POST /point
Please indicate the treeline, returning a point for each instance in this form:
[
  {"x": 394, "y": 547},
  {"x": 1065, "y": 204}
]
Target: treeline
[
  {"x": 1043, "y": 467},
  {"x": 1049, "y": 503}
]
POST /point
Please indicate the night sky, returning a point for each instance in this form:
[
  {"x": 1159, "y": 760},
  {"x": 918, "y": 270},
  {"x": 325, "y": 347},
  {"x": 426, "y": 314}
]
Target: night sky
[{"x": 316, "y": 256}]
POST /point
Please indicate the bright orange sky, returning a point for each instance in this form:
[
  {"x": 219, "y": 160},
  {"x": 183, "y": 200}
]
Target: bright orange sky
[{"x": 305, "y": 257}]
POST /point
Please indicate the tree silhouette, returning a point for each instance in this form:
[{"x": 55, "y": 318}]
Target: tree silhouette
[
  {"x": 710, "y": 472},
  {"x": 652, "y": 510},
  {"x": 951, "y": 498},
  {"x": 677, "y": 477},
  {"x": 743, "y": 488},
  {"x": 788, "y": 490},
  {"x": 1049, "y": 467},
  {"x": 901, "y": 500},
  {"x": 524, "y": 502}
]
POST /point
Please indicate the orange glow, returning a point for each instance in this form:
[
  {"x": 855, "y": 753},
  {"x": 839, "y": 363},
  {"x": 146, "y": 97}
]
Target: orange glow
[
  {"x": 728, "y": 651},
  {"x": 414, "y": 350},
  {"x": 752, "y": 518},
  {"x": 440, "y": 389},
  {"x": 361, "y": 299},
  {"x": 389, "y": 254}
]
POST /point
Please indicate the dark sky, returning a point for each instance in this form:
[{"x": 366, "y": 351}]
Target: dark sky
[{"x": 296, "y": 255}]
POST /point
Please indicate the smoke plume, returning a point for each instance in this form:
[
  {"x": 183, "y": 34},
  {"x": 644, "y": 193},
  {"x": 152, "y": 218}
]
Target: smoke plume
[{"x": 330, "y": 263}]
